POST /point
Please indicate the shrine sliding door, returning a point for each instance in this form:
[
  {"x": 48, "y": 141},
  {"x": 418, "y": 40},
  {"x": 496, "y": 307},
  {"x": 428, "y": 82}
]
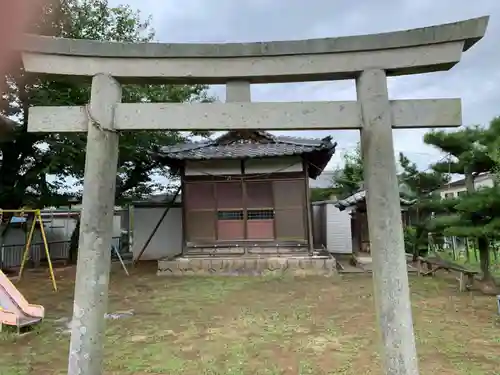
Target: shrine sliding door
[
  {"x": 200, "y": 209},
  {"x": 290, "y": 210},
  {"x": 259, "y": 210},
  {"x": 230, "y": 212},
  {"x": 245, "y": 210}
]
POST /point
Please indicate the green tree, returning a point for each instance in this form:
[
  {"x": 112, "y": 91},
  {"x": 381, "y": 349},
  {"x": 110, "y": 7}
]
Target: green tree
[
  {"x": 491, "y": 142},
  {"x": 321, "y": 194},
  {"x": 348, "y": 179},
  {"x": 29, "y": 158},
  {"x": 419, "y": 186},
  {"x": 468, "y": 152},
  {"x": 477, "y": 213}
]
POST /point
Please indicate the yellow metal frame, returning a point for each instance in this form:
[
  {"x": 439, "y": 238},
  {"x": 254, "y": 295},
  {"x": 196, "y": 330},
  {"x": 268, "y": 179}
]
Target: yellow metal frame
[{"x": 38, "y": 217}]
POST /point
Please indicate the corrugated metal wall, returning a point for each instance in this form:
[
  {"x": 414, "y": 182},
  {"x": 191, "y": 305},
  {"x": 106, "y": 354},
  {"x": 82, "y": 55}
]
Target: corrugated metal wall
[
  {"x": 58, "y": 231},
  {"x": 331, "y": 228},
  {"x": 338, "y": 230},
  {"x": 12, "y": 255}
]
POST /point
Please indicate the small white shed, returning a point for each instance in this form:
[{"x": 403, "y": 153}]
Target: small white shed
[
  {"x": 167, "y": 241},
  {"x": 331, "y": 228}
]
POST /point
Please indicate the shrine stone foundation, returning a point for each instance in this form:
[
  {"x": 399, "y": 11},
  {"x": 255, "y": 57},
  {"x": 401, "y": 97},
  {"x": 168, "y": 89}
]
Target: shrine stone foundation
[
  {"x": 368, "y": 59},
  {"x": 246, "y": 266}
]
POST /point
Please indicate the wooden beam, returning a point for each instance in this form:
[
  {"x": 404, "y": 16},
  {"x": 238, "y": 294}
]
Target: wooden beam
[{"x": 427, "y": 113}]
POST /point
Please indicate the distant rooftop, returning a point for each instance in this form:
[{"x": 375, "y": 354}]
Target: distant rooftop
[
  {"x": 461, "y": 182},
  {"x": 359, "y": 197}
]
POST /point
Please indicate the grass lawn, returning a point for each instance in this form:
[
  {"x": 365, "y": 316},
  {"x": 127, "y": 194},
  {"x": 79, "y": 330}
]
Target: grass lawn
[{"x": 233, "y": 326}]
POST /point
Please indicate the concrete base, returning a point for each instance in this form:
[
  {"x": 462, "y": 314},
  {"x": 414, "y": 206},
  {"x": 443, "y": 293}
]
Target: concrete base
[
  {"x": 364, "y": 263},
  {"x": 294, "y": 266}
]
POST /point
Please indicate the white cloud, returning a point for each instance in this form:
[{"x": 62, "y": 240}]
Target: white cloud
[{"x": 476, "y": 79}]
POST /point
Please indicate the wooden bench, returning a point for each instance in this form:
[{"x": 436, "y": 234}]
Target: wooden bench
[{"x": 434, "y": 264}]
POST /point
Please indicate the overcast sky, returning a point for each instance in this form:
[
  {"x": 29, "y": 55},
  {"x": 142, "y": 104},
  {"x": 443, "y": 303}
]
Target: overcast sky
[{"x": 476, "y": 79}]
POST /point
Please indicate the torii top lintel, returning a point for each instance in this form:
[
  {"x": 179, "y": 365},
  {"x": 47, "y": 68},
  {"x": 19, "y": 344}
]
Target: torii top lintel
[{"x": 401, "y": 52}]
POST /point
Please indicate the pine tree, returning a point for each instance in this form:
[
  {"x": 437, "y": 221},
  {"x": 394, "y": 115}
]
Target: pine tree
[
  {"x": 477, "y": 213},
  {"x": 419, "y": 186}
]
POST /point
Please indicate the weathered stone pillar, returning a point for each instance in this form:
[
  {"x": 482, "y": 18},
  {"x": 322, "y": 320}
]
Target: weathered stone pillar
[
  {"x": 390, "y": 275},
  {"x": 94, "y": 252}
]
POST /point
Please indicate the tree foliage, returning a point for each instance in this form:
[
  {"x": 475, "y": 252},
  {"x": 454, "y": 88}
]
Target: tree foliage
[
  {"x": 35, "y": 167},
  {"x": 420, "y": 184},
  {"x": 348, "y": 179},
  {"x": 321, "y": 194},
  {"x": 477, "y": 213},
  {"x": 466, "y": 149},
  {"x": 420, "y": 187},
  {"x": 491, "y": 141}
]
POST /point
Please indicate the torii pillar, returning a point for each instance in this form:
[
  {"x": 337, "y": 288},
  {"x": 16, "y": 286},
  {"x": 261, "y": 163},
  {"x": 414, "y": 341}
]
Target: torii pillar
[{"x": 368, "y": 59}]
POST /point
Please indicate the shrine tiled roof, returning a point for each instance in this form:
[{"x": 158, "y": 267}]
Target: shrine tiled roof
[
  {"x": 266, "y": 145},
  {"x": 245, "y": 144}
]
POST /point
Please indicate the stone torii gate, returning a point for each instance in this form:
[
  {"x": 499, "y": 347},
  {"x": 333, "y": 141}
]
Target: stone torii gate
[{"x": 368, "y": 59}]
